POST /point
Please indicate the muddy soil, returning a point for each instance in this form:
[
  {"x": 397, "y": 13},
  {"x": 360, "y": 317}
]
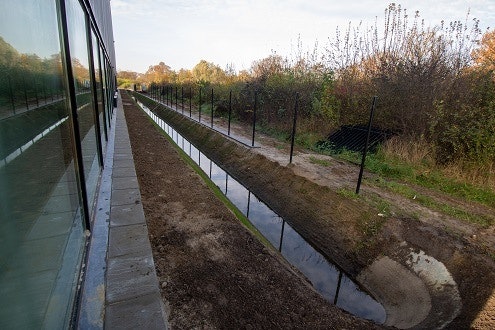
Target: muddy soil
[
  {"x": 213, "y": 273},
  {"x": 350, "y": 231}
]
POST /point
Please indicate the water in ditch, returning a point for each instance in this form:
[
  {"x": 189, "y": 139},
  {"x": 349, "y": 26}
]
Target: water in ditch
[{"x": 327, "y": 279}]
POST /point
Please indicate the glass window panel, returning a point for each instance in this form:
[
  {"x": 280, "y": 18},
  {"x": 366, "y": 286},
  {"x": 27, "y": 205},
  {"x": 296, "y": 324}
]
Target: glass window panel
[
  {"x": 99, "y": 90},
  {"x": 105, "y": 85},
  {"x": 41, "y": 229},
  {"x": 76, "y": 24}
]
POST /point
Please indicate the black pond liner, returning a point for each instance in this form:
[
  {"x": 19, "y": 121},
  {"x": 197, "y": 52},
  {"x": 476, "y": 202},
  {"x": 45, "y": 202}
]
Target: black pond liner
[
  {"x": 330, "y": 281},
  {"x": 353, "y": 138}
]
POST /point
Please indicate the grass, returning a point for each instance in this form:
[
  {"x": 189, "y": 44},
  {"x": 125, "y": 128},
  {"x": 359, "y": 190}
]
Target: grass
[
  {"x": 396, "y": 176},
  {"x": 370, "y": 225},
  {"x": 278, "y": 134},
  {"x": 431, "y": 203},
  {"x": 348, "y": 193},
  {"x": 421, "y": 175},
  {"x": 317, "y": 161}
]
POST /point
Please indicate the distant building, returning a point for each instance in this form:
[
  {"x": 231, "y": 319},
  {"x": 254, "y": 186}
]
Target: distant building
[{"x": 57, "y": 81}]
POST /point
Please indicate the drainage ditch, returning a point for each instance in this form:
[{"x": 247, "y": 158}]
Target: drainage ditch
[{"x": 331, "y": 282}]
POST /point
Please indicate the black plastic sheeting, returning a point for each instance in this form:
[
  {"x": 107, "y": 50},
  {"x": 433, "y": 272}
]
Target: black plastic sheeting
[{"x": 353, "y": 138}]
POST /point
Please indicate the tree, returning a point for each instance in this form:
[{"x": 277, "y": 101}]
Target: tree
[
  {"x": 271, "y": 65},
  {"x": 131, "y": 75},
  {"x": 206, "y": 72},
  {"x": 485, "y": 54},
  {"x": 160, "y": 73},
  {"x": 184, "y": 76}
]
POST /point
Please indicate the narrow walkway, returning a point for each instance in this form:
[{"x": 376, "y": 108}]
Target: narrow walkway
[{"x": 121, "y": 287}]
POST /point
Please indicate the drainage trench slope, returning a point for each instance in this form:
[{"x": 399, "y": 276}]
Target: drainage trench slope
[
  {"x": 333, "y": 224},
  {"x": 303, "y": 204},
  {"x": 327, "y": 279}
]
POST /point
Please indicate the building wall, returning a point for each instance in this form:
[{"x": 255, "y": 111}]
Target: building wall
[{"x": 57, "y": 80}]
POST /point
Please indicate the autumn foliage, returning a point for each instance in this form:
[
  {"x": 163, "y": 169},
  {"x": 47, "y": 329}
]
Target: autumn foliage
[{"x": 434, "y": 85}]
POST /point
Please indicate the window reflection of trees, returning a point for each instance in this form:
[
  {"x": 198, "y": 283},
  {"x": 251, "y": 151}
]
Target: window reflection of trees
[
  {"x": 31, "y": 83},
  {"x": 27, "y": 81}
]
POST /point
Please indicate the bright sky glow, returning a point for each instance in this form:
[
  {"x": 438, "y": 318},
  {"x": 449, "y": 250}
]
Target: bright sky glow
[{"x": 181, "y": 33}]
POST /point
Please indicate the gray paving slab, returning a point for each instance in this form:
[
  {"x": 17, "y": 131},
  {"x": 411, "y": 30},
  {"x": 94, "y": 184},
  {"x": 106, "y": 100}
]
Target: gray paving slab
[
  {"x": 122, "y": 154},
  {"x": 134, "y": 313},
  {"x": 125, "y": 183},
  {"x": 125, "y": 162},
  {"x": 124, "y": 172},
  {"x": 130, "y": 276},
  {"x": 128, "y": 240},
  {"x": 125, "y": 196},
  {"x": 126, "y": 215},
  {"x": 123, "y": 145}
]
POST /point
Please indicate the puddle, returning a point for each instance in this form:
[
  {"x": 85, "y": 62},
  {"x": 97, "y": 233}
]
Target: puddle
[{"x": 326, "y": 278}]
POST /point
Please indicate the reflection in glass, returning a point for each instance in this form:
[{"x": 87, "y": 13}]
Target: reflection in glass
[
  {"x": 76, "y": 25},
  {"x": 41, "y": 230},
  {"x": 99, "y": 90},
  {"x": 104, "y": 83}
]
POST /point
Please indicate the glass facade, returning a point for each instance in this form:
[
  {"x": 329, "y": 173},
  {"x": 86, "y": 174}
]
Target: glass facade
[
  {"x": 53, "y": 121},
  {"x": 86, "y": 113}
]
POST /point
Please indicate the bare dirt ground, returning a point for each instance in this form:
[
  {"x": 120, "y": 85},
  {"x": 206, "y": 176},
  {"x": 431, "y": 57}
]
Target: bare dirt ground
[{"x": 184, "y": 228}]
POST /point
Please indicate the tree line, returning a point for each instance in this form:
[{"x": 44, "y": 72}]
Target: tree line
[{"x": 435, "y": 86}]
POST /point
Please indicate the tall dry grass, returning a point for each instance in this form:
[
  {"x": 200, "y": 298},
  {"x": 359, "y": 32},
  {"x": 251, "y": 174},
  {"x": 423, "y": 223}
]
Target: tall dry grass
[{"x": 420, "y": 154}]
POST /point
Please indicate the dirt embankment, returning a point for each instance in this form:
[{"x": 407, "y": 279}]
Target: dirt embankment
[{"x": 355, "y": 237}]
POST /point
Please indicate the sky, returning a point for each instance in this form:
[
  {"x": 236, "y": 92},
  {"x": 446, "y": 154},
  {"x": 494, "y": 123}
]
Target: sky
[{"x": 238, "y": 32}]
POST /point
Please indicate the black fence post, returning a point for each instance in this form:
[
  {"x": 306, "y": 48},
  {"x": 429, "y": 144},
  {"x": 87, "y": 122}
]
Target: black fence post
[
  {"x": 12, "y": 99},
  {"x": 190, "y": 102},
  {"x": 25, "y": 93},
  {"x": 212, "y": 108},
  {"x": 43, "y": 86},
  {"x": 254, "y": 116},
  {"x": 51, "y": 89},
  {"x": 365, "y": 150},
  {"x": 230, "y": 111},
  {"x": 337, "y": 290},
  {"x": 176, "y": 88},
  {"x": 293, "y": 136},
  {"x": 281, "y": 236},
  {"x": 36, "y": 91},
  {"x": 199, "y": 106},
  {"x": 182, "y": 98},
  {"x": 248, "y": 203}
]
